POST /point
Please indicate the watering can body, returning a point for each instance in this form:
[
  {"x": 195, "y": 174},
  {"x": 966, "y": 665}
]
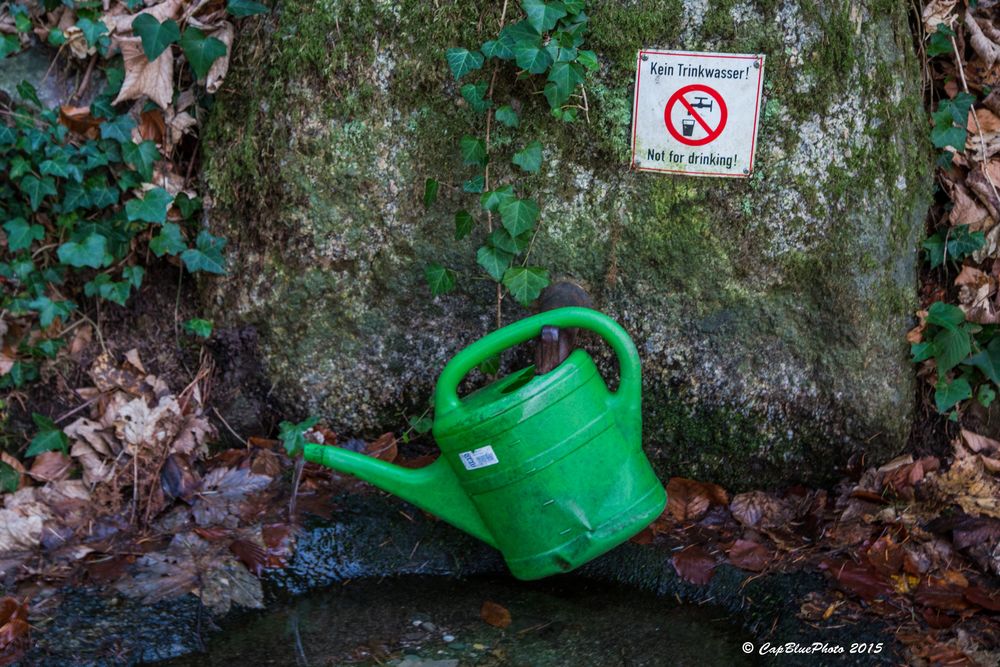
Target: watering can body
[{"x": 549, "y": 468}]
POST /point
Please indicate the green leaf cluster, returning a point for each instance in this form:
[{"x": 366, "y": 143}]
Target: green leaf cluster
[
  {"x": 547, "y": 42},
  {"x": 967, "y": 356},
  {"x": 292, "y": 435},
  {"x": 950, "y": 122},
  {"x": 72, "y": 220},
  {"x": 954, "y": 245}
]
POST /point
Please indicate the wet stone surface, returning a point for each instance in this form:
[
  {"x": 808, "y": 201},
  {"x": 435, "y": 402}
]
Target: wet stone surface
[{"x": 435, "y": 621}]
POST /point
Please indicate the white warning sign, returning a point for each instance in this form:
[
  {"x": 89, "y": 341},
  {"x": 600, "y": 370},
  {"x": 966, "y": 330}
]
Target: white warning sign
[{"x": 696, "y": 113}]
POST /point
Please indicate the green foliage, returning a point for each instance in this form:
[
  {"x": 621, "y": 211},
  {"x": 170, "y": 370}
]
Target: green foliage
[
  {"x": 73, "y": 223},
  {"x": 10, "y": 479},
  {"x": 939, "y": 42},
  {"x": 201, "y": 50},
  {"x": 957, "y": 244},
  {"x": 530, "y": 158},
  {"x": 156, "y": 37},
  {"x": 198, "y": 327},
  {"x": 967, "y": 356},
  {"x": 440, "y": 279},
  {"x": 547, "y": 43},
  {"x": 430, "y": 192},
  {"x": 950, "y": 122},
  {"x": 49, "y": 438},
  {"x": 241, "y": 8},
  {"x": 292, "y": 435}
]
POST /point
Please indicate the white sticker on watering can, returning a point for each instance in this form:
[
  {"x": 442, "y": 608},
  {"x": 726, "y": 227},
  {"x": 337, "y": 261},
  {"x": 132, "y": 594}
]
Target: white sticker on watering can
[
  {"x": 478, "y": 458},
  {"x": 696, "y": 113}
]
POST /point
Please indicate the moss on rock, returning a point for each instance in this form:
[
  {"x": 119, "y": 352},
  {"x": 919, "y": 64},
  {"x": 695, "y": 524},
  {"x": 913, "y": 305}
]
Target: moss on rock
[{"x": 770, "y": 311}]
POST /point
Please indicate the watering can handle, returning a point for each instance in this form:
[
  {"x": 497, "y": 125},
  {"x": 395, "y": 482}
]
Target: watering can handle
[{"x": 629, "y": 388}]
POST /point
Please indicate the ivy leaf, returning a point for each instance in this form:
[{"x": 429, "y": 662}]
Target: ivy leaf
[
  {"x": 48, "y": 310},
  {"x": 507, "y": 116},
  {"x": 961, "y": 242},
  {"x": 89, "y": 252},
  {"x": 441, "y": 280},
  {"x": 464, "y": 222},
  {"x": 187, "y": 205},
  {"x": 156, "y": 36},
  {"x": 9, "y": 44},
  {"x": 520, "y": 34},
  {"x": 519, "y": 215},
  {"x": 92, "y": 30},
  {"x": 491, "y": 366},
  {"x": 463, "y": 61},
  {"x": 206, "y": 255},
  {"x": 949, "y": 394},
  {"x": 532, "y": 58},
  {"x": 198, "y": 327},
  {"x": 949, "y": 135},
  {"x": 530, "y": 158},
  {"x": 201, "y": 51},
  {"x": 141, "y": 157},
  {"x": 10, "y": 479},
  {"x": 169, "y": 241},
  {"x": 589, "y": 60},
  {"x": 430, "y": 192},
  {"x": 20, "y": 234},
  {"x": 921, "y": 351},
  {"x": 241, "y": 8},
  {"x": 473, "y": 151},
  {"x": 566, "y": 76},
  {"x": 118, "y": 129},
  {"x": 49, "y": 437},
  {"x": 152, "y": 207},
  {"x": 492, "y": 200},
  {"x": 28, "y": 93},
  {"x": 934, "y": 245},
  {"x": 573, "y": 6},
  {"x": 103, "y": 286},
  {"x": 37, "y": 188},
  {"x": 473, "y": 94},
  {"x": 501, "y": 238},
  {"x": 498, "y": 49},
  {"x": 474, "y": 185},
  {"x": 494, "y": 261},
  {"x": 940, "y": 40},
  {"x": 543, "y": 15},
  {"x": 525, "y": 283}
]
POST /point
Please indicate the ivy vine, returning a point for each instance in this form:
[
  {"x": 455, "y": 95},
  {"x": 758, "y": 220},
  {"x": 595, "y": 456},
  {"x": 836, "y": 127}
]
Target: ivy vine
[{"x": 545, "y": 45}]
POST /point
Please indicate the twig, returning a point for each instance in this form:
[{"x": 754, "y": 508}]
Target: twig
[
  {"x": 97, "y": 330},
  {"x": 300, "y": 463},
  {"x": 226, "y": 424},
  {"x": 77, "y": 409},
  {"x": 86, "y": 79},
  {"x": 486, "y": 171}
]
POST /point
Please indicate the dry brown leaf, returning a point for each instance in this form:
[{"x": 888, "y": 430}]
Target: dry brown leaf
[
  {"x": 82, "y": 337},
  {"x": 79, "y": 120},
  {"x": 496, "y": 615},
  {"x": 988, "y": 50},
  {"x": 984, "y": 181},
  {"x": 688, "y": 500},
  {"x": 383, "y": 448},
  {"x": 152, "y": 79},
  {"x": 970, "y": 486},
  {"x": 968, "y": 211},
  {"x": 694, "y": 565},
  {"x": 217, "y": 72},
  {"x": 749, "y": 555},
  {"x": 938, "y": 11},
  {"x": 21, "y": 521},
  {"x": 50, "y": 467},
  {"x": 980, "y": 444},
  {"x": 140, "y": 426},
  {"x": 178, "y": 124},
  {"x": 758, "y": 509},
  {"x": 132, "y": 356}
]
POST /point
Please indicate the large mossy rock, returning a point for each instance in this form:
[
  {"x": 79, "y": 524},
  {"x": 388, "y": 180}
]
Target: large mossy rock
[{"x": 770, "y": 312}]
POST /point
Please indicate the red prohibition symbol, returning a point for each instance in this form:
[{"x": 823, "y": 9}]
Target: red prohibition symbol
[{"x": 684, "y": 134}]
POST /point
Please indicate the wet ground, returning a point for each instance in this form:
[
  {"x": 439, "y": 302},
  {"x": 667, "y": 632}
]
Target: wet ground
[{"x": 435, "y": 622}]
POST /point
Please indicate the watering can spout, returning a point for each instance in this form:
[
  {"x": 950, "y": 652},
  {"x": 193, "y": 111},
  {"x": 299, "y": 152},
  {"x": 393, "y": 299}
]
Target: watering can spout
[{"x": 433, "y": 488}]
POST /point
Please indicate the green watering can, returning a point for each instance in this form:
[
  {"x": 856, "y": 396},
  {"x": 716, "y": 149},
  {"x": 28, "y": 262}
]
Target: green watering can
[{"x": 548, "y": 469}]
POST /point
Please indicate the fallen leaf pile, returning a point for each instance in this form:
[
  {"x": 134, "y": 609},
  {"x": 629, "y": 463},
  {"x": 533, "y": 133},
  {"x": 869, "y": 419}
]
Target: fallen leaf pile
[{"x": 913, "y": 541}]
